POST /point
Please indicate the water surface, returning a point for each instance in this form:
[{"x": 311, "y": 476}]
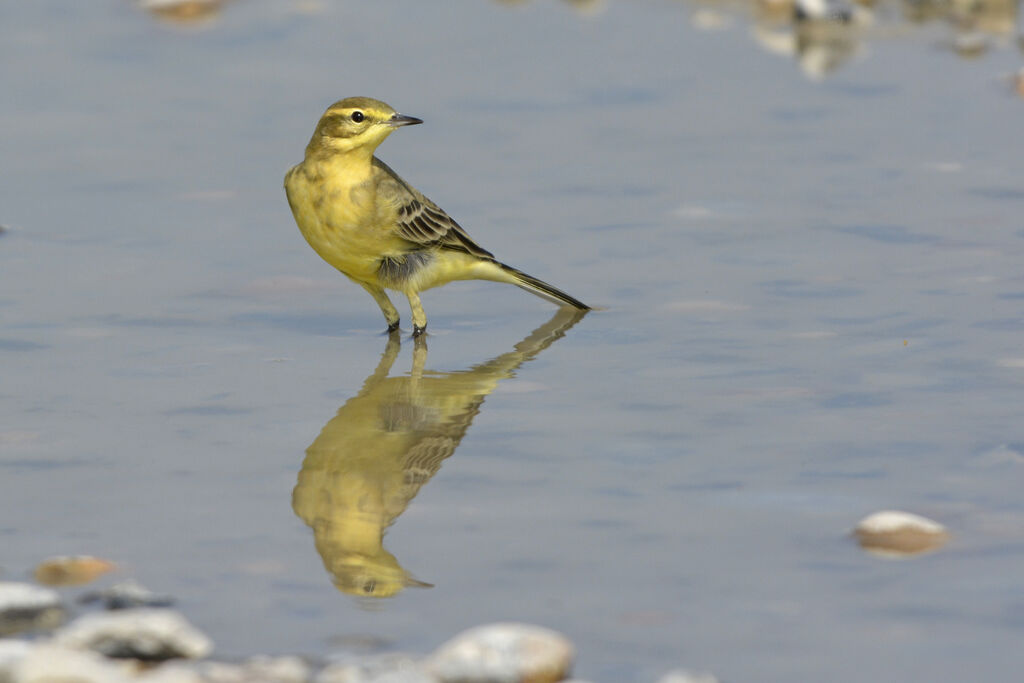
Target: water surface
[{"x": 811, "y": 292}]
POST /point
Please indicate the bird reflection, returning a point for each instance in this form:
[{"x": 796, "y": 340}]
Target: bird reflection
[{"x": 385, "y": 443}]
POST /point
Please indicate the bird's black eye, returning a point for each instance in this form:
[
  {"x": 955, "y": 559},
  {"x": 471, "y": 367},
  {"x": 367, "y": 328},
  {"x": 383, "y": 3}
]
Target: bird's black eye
[{"x": 358, "y": 116}]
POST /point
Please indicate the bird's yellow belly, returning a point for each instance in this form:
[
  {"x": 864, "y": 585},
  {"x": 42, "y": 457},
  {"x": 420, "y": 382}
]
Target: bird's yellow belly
[{"x": 345, "y": 231}]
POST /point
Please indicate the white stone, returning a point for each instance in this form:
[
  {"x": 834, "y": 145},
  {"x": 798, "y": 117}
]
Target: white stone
[
  {"x": 24, "y": 606},
  {"x": 390, "y": 668},
  {"x": 504, "y": 652},
  {"x": 895, "y": 533},
  {"x": 128, "y": 594},
  {"x": 259, "y": 669},
  {"x": 218, "y": 672},
  {"x": 149, "y": 634},
  {"x": 53, "y": 664},
  {"x": 11, "y": 654},
  {"x": 172, "y": 672},
  {"x": 888, "y": 521},
  {"x": 264, "y": 669},
  {"x": 25, "y": 596}
]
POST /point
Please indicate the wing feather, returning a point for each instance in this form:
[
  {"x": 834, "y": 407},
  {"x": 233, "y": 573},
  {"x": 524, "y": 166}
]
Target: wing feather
[{"x": 420, "y": 220}]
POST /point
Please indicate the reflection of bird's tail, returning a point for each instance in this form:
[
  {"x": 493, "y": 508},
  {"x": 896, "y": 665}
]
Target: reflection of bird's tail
[
  {"x": 544, "y": 336},
  {"x": 541, "y": 288}
]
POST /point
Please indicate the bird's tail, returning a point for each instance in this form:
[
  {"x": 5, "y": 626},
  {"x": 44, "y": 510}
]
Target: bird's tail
[{"x": 541, "y": 288}]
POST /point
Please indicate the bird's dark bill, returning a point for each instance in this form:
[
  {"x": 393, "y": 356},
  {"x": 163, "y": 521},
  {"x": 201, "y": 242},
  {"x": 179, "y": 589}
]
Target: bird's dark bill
[{"x": 403, "y": 120}]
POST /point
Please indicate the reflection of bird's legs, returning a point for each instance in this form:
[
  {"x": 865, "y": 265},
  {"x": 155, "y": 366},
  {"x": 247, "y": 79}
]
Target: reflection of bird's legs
[
  {"x": 419, "y": 360},
  {"x": 387, "y": 359}
]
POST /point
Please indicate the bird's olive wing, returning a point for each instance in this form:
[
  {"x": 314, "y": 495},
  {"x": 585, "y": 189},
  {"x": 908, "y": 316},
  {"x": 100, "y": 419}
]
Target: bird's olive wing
[{"x": 423, "y": 222}]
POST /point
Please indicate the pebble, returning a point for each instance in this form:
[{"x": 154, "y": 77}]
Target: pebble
[
  {"x": 133, "y": 645},
  {"x": 12, "y": 652},
  {"x": 389, "y": 668},
  {"x": 260, "y": 669},
  {"x": 971, "y": 44},
  {"x": 504, "y": 652},
  {"x": 172, "y": 672},
  {"x": 822, "y": 10},
  {"x": 146, "y": 634},
  {"x": 24, "y": 607},
  {"x": 48, "y": 663},
  {"x": 71, "y": 570},
  {"x": 263, "y": 670},
  {"x": 683, "y": 676},
  {"x": 897, "y": 533},
  {"x": 127, "y": 594}
]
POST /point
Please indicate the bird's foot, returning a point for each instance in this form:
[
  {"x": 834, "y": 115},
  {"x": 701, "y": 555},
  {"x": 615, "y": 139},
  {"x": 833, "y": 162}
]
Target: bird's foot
[
  {"x": 393, "y": 327},
  {"x": 417, "y": 330}
]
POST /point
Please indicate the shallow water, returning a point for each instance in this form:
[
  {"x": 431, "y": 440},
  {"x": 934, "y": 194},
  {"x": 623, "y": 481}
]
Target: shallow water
[{"x": 811, "y": 295}]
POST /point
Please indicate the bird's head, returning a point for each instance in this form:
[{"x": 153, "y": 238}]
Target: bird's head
[
  {"x": 357, "y": 123},
  {"x": 378, "y": 576}
]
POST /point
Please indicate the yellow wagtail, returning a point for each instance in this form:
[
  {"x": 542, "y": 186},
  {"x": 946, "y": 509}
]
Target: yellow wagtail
[{"x": 374, "y": 227}]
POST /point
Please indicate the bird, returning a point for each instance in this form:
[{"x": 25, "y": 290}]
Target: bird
[{"x": 377, "y": 229}]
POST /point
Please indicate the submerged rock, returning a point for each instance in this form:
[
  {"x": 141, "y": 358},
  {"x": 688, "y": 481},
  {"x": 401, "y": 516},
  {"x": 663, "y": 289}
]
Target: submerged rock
[
  {"x": 146, "y": 634},
  {"x": 126, "y": 595},
  {"x": 24, "y": 607},
  {"x": 504, "y": 652},
  {"x": 897, "y": 533}
]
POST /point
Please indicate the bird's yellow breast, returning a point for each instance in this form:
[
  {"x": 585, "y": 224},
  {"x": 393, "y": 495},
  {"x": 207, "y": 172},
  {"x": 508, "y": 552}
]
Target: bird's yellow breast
[{"x": 341, "y": 215}]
